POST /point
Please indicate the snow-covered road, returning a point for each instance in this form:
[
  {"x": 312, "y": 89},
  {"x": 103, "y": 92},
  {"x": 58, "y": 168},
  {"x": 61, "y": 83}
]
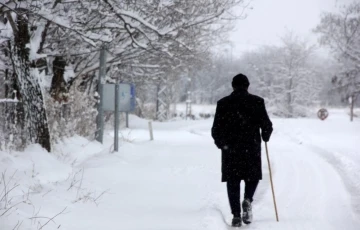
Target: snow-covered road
[{"x": 174, "y": 183}]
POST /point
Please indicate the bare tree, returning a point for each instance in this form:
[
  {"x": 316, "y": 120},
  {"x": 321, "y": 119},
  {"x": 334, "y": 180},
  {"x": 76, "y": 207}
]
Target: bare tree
[
  {"x": 341, "y": 32},
  {"x": 291, "y": 77}
]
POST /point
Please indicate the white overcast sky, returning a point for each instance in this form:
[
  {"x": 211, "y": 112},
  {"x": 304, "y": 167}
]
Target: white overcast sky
[{"x": 269, "y": 20}]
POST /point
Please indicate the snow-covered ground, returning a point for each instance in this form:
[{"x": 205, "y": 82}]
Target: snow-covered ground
[{"x": 173, "y": 183}]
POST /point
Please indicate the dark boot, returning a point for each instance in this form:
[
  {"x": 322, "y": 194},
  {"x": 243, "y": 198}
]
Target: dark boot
[
  {"x": 247, "y": 211},
  {"x": 236, "y": 222}
]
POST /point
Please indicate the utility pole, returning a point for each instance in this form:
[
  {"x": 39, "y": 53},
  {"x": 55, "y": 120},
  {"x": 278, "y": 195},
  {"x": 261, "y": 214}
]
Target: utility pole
[
  {"x": 117, "y": 117},
  {"x": 100, "y": 117},
  {"x": 161, "y": 104}
]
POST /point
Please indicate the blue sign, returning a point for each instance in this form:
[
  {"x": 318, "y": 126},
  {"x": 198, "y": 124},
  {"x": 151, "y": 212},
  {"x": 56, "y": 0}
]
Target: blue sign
[{"x": 127, "y": 97}]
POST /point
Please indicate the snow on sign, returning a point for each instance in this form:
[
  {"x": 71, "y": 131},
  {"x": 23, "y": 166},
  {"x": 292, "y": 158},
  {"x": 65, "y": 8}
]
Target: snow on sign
[{"x": 126, "y": 95}]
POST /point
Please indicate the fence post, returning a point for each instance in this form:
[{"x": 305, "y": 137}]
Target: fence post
[{"x": 151, "y": 131}]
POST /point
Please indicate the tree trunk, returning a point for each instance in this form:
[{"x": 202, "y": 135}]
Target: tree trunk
[
  {"x": 289, "y": 98},
  {"x": 29, "y": 87},
  {"x": 157, "y": 102},
  {"x": 14, "y": 112},
  {"x": 59, "y": 90}
]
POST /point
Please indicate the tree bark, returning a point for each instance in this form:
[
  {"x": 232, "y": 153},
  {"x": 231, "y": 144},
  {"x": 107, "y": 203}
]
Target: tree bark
[
  {"x": 29, "y": 87},
  {"x": 59, "y": 90},
  {"x": 14, "y": 112}
]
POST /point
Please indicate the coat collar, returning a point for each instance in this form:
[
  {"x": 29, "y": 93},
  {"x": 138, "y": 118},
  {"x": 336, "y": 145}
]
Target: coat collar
[{"x": 239, "y": 92}]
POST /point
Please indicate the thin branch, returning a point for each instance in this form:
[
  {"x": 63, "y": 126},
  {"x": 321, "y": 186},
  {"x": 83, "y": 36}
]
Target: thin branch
[
  {"x": 42, "y": 217},
  {"x": 51, "y": 219},
  {"x": 7, "y": 210},
  {"x": 12, "y": 23}
]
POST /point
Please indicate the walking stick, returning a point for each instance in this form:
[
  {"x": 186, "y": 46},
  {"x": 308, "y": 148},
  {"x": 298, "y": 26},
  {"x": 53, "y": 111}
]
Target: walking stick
[{"x": 271, "y": 181}]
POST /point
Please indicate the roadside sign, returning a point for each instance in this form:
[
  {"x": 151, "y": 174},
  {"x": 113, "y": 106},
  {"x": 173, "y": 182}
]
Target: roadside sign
[
  {"x": 323, "y": 114},
  {"x": 126, "y": 97}
]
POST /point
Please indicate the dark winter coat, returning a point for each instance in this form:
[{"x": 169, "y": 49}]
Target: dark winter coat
[{"x": 236, "y": 131}]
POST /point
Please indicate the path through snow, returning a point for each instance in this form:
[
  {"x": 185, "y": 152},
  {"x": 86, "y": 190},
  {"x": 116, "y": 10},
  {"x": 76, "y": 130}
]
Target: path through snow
[{"x": 174, "y": 183}]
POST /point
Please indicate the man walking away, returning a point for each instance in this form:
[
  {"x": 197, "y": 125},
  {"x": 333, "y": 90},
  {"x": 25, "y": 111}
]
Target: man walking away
[{"x": 236, "y": 131}]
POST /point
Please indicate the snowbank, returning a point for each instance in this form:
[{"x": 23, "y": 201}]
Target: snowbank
[{"x": 36, "y": 185}]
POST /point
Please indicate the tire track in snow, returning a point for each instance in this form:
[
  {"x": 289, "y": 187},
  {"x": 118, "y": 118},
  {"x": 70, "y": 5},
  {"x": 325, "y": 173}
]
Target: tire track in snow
[
  {"x": 312, "y": 188},
  {"x": 341, "y": 163}
]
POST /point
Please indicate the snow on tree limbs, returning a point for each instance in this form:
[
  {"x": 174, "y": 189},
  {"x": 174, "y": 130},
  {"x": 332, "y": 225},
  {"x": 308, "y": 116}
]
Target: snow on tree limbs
[
  {"x": 49, "y": 40},
  {"x": 341, "y": 32}
]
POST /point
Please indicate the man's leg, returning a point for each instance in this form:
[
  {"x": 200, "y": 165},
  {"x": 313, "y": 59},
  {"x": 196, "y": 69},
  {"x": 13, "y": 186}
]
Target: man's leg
[
  {"x": 233, "y": 189},
  {"x": 250, "y": 188}
]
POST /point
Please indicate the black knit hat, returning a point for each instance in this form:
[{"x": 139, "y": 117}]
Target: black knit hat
[{"x": 240, "y": 81}]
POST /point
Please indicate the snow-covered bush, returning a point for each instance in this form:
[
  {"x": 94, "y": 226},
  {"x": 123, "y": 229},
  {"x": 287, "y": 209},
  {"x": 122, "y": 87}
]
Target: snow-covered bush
[
  {"x": 76, "y": 116},
  {"x": 12, "y": 132}
]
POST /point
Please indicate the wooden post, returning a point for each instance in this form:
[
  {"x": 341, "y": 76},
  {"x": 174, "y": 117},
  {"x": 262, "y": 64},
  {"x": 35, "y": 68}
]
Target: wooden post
[
  {"x": 151, "y": 131},
  {"x": 352, "y": 102}
]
